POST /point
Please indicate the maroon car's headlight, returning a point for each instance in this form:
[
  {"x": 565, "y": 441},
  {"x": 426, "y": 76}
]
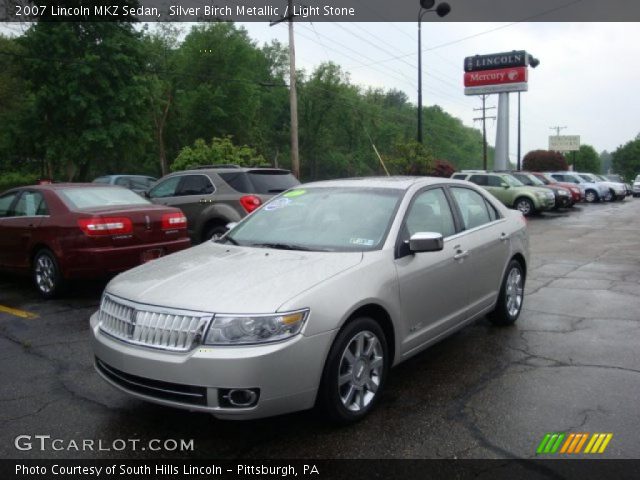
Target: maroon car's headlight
[
  {"x": 99, "y": 226},
  {"x": 174, "y": 221}
]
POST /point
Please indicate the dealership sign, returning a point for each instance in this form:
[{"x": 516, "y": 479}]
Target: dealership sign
[
  {"x": 515, "y": 58},
  {"x": 493, "y": 77},
  {"x": 564, "y": 143}
]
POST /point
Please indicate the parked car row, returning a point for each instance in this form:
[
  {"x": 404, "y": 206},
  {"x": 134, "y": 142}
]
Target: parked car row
[
  {"x": 535, "y": 192},
  {"x": 63, "y": 231}
]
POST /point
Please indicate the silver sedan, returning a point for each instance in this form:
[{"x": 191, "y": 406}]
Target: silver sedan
[{"x": 312, "y": 298}]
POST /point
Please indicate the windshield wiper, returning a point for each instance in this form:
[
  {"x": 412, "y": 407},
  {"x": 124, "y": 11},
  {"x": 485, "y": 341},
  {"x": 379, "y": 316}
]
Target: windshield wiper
[
  {"x": 227, "y": 239},
  {"x": 281, "y": 246}
]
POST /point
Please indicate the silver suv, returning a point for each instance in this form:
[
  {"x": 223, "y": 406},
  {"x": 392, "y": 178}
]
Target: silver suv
[{"x": 213, "y": 196}]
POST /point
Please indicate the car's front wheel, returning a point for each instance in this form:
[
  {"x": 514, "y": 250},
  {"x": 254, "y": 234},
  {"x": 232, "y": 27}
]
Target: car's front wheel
[
  {"x": 355, "y": 371},
  {"x": 591, "y": 196},
  {"x": 46, "y": 274},
  {"x": 511, "y": 296},
  {"x": 525, "y": 206}
]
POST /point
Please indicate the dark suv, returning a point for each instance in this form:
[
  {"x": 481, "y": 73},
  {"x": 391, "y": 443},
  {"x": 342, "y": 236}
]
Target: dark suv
[{"x": 214, "y": 195}]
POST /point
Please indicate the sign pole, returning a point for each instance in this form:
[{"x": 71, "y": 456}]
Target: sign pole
[{"x": 501, "y": 159}]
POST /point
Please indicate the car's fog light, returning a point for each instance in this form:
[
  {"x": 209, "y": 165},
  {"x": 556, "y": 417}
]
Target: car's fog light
[{"x": 238, "y": 397}]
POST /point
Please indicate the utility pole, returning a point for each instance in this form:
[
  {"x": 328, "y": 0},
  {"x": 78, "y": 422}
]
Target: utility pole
[
  {"x": 484, "y": 128},
  {"x": 293, "y": 96},
  {"x": 557, "y": 129}
]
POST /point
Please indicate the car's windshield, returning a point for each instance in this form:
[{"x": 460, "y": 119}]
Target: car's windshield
[
  {"x": 91, "y": 197},
  {"x": 533, "y": 180},
  {"x": 325, "y": 219},
  {"x": 587, "y": 177},
  {"x": 512, "y": 181},
  {"x": 545, "y": 180}
]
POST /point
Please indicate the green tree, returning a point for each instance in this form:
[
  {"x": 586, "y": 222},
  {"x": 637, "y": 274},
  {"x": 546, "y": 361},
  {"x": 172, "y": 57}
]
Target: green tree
[
  {"x": 626, "y": 159},
  {"x": 88, "y": 93},
  {"x": 219, "y": 151},
  {"x": 585, "y": 160},
  {"x": 411, "y": 158}
]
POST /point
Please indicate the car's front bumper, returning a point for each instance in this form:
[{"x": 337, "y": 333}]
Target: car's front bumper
[{"x": 287, "y": 373}]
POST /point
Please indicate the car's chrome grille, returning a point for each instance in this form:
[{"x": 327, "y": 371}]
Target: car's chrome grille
[{"x": 155, "y": 327}]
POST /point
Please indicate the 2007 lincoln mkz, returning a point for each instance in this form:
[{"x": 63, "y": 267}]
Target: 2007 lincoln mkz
[{"x": 312, "y": 298}]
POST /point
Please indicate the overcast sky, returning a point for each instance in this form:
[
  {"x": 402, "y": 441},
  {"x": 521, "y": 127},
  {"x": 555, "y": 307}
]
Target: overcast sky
[{"x": 587, "y": 79}]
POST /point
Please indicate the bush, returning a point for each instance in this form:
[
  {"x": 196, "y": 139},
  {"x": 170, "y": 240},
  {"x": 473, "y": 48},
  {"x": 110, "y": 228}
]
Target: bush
[
  {"x": 544, "y": 161},
  {"x": 442, "y": 168},
  {"x": 221, "y": 150},
  {"x": 15, "y": 179},
  {"x": 410, "y": 158}
]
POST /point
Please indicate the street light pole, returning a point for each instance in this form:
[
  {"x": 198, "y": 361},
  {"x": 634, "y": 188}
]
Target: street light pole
[{"x": 441, "y": 10}]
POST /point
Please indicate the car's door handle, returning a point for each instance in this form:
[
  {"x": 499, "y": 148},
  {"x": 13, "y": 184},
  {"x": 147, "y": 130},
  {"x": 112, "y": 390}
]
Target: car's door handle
[
  {"x": 504, "y": 237},
  {"x": 460, "y": 254}
]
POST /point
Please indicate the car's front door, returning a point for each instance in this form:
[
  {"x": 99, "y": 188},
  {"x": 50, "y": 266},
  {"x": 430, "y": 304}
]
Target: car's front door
[{"x": 433, "y": 288}]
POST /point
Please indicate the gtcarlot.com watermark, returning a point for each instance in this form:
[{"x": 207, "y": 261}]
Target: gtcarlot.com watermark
[{"x": 43, "y": 443}]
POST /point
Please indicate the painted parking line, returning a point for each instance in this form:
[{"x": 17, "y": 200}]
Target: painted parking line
[{"x": 17, "y": 313}]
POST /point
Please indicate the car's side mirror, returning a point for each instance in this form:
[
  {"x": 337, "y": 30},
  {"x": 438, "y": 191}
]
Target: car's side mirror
[
  {"x": 504, "y": 185},
  {"x": 426, "y": 242}
]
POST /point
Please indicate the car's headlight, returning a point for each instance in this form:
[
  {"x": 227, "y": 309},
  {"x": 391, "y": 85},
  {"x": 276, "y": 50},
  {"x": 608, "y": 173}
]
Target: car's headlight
[{"x": 252, "y": 329}]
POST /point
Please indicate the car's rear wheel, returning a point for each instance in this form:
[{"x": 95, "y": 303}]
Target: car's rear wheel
[
  {"x": 591, "y": 196},
  {"x": 355, "y": 371},
  {"x": 525, "y": 206},
  {"x": 511, "y": 296},
  {"x": 46, "y": 274}
]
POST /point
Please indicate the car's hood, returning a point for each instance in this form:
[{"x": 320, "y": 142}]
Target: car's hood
[{"x": 228, "y": 279}]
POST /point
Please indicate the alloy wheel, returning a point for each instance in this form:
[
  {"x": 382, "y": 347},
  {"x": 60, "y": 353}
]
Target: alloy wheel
[
  {"x": 360, "y": 371},
  {"x": 514, "y": 292},
  {"x": 524, "y": 206},
  {"x": 45, "y": 273}
]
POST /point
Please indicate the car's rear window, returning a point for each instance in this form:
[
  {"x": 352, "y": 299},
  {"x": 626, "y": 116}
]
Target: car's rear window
[
  {"x": 91, "y": 197},
  {"x": 264, "y": 182}
]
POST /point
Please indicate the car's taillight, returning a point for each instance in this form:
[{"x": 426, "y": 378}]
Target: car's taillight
[
  {"x": 95, "y": 227},
  {"x": 174, "y": 221},
  {"x": 250, "y": 202}
]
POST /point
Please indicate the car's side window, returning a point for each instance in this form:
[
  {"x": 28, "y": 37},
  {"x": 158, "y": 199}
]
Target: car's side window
[
  {"x": 430, "y": 212},
  {"x": 494, "y": 181},
  {"x": 5, "y": 203},
  {"x": 123, "y": 182},
  {"x": 459, "y": 176},
  {"x": 30, "y": 204},
  {"x": 479, "y": 179},
  {"x": 493, "y": 213},
  {"x": 473, "y": 207},
  {"x": 195, "y": 185},
  {"x": 166, "y": 188}
]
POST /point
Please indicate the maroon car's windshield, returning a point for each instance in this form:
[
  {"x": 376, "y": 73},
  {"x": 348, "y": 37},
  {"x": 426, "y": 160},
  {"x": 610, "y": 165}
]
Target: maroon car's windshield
[{"x": 90, "y": 197}]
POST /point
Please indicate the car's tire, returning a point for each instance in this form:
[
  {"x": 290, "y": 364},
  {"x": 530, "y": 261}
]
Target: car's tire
[
  {"x": 214, "y": 232},
  {"x": 526, "y": 206},
  {"x": 46, "y": 274},
  {"x": 591, "y": 196},
  {"x": 355, "y": 371},
  {"x": 511, "y": 296}
]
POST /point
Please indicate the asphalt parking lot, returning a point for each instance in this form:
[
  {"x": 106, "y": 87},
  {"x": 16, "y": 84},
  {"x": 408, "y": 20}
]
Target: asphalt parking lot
[{"x": 570, "y": 364}]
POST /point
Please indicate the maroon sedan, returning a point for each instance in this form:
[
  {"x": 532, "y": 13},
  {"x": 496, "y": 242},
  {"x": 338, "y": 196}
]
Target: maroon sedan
[{"x": 64, "y": 231}]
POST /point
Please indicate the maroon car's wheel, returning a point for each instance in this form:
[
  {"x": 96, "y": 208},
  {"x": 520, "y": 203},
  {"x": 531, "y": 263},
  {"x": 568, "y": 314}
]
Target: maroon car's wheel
[{"x": 46, "y": 274}]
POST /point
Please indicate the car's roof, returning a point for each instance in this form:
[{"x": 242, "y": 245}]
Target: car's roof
[
  {"x": 229, "y": 170},
  {"x": 395, "y": 182},
  {"x": 60, "y": 186}
]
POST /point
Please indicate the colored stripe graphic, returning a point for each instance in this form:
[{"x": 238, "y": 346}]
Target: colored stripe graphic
[{"x": 572, "y": 443}]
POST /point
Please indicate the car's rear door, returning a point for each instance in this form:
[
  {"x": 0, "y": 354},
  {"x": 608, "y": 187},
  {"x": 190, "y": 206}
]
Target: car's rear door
[
  {"x": 487, "y": 239},
  {"x": 20, "y": 227},
  {"x": 433, "y": 288}
]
